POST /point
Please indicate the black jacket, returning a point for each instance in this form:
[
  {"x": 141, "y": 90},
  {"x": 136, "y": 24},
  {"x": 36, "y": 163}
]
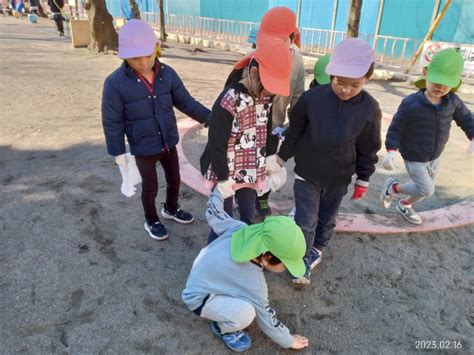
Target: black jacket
[
  {"x": 420, "y": 130},
  {"x": 56, "y": 5},
  {"x": 332, "y": 139}
]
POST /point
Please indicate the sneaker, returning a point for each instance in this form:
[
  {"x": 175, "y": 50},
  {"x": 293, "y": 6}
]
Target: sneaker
[
  {"x": 387, "y": 195},
  {"x": 305, "y": 279},
  {"x": 180, "y": 216},
  {"x": 156, "y": 230},
  {"x": 237, "y": 341},
  {"x": 263, "y": 209},
  {"x": 409, "y": 213},
  {"x": 313, "y": 258}
]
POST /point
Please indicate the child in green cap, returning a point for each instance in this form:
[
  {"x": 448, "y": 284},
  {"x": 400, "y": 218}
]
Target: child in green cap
[
  {"x": 319, "y": 72},
  {"x": 227, "y": 283},
  {"x": 420, "y": 130}
]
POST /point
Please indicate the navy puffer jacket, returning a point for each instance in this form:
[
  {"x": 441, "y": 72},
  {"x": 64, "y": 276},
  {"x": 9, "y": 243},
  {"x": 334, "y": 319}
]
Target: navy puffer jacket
[
  {"x": 420, "y": 130},
  {"x": 147, "y": 120}
]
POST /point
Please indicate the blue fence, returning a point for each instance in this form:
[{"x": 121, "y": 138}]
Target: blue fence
[{"x": 400, "y": 18}]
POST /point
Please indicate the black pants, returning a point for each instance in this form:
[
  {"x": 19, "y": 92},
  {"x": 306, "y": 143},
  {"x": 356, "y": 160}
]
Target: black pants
[
  {"x": 246, "y": 203},
  {"x": 58, "y": 20},
  {"x": 147, "y": 168}
]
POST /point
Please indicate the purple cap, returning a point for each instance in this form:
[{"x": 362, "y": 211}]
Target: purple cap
[
  {"x": 351, "y": 58},
  {"x": 136, "y": 39}
]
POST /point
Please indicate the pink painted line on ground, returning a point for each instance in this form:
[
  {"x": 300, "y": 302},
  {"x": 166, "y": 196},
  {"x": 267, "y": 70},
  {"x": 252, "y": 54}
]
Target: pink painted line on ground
[{"x": 454, "y": 216}]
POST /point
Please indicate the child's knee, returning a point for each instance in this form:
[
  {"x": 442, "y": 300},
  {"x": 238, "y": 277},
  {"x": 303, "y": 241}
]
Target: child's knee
[
  {"x": 426, "y": 190},
  {"x": 246, "y": 316}
]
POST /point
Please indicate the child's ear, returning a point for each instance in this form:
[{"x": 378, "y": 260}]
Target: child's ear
[{"x": 423, "y": 73}]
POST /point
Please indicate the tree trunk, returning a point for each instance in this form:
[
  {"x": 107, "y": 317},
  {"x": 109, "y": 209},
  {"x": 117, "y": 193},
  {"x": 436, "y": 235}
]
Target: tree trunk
[
  {"x": 354, "y": 18},
  {"x": 135, "y": 10},
  {"x": 103, "y": 34},
  {"x": 162, "y": 22}
]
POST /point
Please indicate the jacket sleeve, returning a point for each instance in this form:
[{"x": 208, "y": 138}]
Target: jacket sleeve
[
  {"x": 299, "y": 82},
  {"x": 220, "y": 128},
  {"x": 298, "y": 125},
  {"x": 217, "y": 218},
  {"x": 395, "y": 130},
  {"x": 113, "y": 120},
  {"x": 271, "y": 326},
  {"x": 464, "y": 119},
  {"x": 184, "y": 102},
  {"x": 368, "y": 144}
]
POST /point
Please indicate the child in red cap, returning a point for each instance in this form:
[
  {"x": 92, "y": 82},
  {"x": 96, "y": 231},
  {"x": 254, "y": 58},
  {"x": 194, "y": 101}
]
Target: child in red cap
[
  {"x": 334, "y": 133},
  {"x": 235, "y": 153}
]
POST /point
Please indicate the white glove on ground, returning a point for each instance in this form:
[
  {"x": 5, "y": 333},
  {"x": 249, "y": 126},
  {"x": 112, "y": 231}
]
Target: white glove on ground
[
  {"x": 389, "y": 160},
  {"x": 271, "y": 164},
  {"x": 471, "y": 147},
  {"x": 226, "y": 188}
]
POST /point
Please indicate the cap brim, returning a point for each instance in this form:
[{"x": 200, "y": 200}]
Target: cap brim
[
  {"x": 420, "y": 83},
  {"x": 243, "y": 62},
  {"x": 246, "y": 244},
  {"x": 274, "y": 85},
  {"x": 127, "y": 53},
  {"x": 439, "y": 78},
  {"x": 322, "y": 79},
  {"x": 353, "y": 72}
]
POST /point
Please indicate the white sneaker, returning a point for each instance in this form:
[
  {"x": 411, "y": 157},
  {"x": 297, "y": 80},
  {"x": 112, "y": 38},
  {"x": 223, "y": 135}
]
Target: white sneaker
[
  {"x": 387, "y": 195},
  {"x": 409, "y": 213}
]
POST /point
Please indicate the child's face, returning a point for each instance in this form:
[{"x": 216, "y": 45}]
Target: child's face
[
  {"x": 275, "y": 268},
  {"x": 436, "y": 90},
  {"x": 347, "y": 88},
  {"x": 143, "y": 65}
]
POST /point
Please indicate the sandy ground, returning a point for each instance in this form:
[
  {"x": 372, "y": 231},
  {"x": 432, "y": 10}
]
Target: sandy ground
[{"x": 78, "y": 274}]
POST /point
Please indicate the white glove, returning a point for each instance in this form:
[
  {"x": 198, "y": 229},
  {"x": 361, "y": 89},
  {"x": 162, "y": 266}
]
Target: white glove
[
  {"x": 389, "y": 160},
  {"x": 471, "y": 147},
  {"x": 271, "y": 164},
  {"x": 226, "y": 188},
  {"x": 121, "y": 160}
]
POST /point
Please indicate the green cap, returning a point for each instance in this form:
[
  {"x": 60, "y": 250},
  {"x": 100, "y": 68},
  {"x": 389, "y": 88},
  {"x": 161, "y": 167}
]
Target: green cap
[
  {"x": 279, "y": 235},
  {"x": 445, "y": 68},
  {"x": 319, "y": 70}
]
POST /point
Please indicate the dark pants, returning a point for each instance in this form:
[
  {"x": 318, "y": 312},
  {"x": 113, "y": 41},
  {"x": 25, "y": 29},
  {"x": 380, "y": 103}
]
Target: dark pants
[
  {"x": 58, "y": 20},
  {"x": 316, "y": 211},
  {"x": 246, "y": 203},
  {"x": 147, "y": 168}
]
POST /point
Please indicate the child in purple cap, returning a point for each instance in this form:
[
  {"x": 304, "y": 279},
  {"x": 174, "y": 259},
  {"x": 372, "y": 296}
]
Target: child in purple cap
[
  {"x": 137, "y": 103},
  {"x": 334, "y": 133}
]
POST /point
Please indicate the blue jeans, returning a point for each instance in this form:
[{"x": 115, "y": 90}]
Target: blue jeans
[
  {"x": 316, "y": 211},
  {"x": 245, "y": 198}
]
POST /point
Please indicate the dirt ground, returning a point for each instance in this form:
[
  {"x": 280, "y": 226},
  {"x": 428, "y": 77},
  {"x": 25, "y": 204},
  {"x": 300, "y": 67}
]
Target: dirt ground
[{"x": 79, "y": 275}]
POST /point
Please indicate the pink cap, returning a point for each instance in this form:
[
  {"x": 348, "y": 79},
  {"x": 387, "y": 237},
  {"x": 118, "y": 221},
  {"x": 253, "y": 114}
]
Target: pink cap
[
  {"x": 136, "y": 39},
  {"x": 351, "y": 58}
]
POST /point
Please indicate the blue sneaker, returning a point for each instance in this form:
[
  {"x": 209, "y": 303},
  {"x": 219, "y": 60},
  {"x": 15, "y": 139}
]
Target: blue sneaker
[
  {"x": 313, "y": 258},
  {"x": 237, "y": 341}
]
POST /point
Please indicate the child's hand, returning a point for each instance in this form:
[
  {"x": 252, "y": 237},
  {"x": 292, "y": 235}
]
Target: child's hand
[
  {"x": 299, "y": 342},
  {"x": 226, "y": 188},
  {"x": 471, "y": 147},
  {"x": 360, "y": 189},
  {"x": 388, "y": 162}
]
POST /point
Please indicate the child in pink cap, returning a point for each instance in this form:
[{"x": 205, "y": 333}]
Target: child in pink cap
[
  {"x": 137, "y": 103},
  {"x": 334, "y": 133}
]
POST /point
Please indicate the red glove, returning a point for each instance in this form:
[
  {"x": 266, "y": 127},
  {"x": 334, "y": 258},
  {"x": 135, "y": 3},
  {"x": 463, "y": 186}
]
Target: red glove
[{"x": 360, "y": 189}]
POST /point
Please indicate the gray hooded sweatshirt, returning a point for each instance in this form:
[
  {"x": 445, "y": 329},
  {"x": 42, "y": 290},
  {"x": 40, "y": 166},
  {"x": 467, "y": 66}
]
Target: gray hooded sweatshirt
[{"x": 214, "y": 272}]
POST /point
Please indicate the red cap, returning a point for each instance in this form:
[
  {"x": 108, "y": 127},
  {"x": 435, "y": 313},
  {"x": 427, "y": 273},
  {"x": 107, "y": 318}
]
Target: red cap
[
  {"x": 279, "y": 22},
  {"x": 274, "y": 65}
]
